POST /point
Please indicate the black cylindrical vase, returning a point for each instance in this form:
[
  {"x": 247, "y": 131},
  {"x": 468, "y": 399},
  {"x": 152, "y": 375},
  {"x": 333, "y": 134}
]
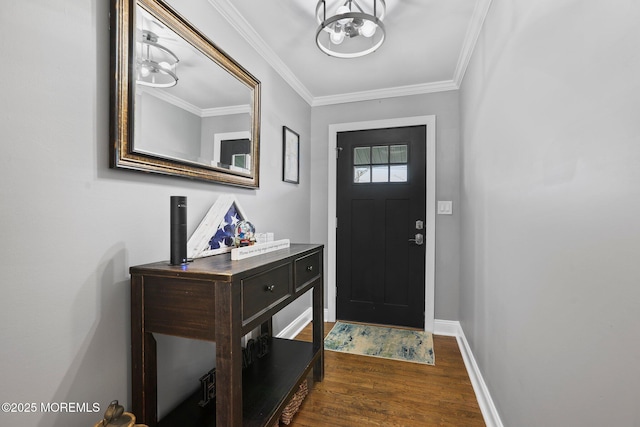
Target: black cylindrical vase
[{"x": 178, "y": 230}]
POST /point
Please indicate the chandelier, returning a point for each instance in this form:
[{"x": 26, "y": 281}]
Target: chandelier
[
  {"x": 351, "y": 31},
  {"x": 155, "y": 64}
]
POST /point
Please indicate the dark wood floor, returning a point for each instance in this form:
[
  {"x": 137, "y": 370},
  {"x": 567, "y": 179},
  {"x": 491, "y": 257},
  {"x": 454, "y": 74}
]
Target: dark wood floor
[{"x": 367, "y": 391}]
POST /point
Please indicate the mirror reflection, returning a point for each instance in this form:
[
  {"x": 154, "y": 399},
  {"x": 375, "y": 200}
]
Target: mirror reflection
[
  {"x": 187, "y": 107},
  {"x": 180, "y": 105}
]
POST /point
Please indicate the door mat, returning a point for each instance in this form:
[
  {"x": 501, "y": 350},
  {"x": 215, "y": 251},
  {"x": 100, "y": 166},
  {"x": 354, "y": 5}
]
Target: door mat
[{"x": 379, "y": 341}]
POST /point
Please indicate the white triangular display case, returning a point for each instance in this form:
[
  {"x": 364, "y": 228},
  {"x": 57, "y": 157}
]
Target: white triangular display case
[{"x": 216, "y": 232}]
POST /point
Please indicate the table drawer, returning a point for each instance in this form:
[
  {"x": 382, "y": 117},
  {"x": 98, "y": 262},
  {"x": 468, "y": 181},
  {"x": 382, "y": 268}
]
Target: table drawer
[
  {"x": 262, "y": 291},
  {"x": 307, "y": 268}
]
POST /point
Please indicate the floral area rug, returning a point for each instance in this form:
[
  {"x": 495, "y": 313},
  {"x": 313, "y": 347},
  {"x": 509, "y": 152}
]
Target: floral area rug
[{"x": 379, "y": 341}]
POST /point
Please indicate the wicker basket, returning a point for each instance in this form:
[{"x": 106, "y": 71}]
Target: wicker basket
[
  {"x": 115, "y": 416},
  {"x": 127, "y": 419},
  {"x": 294, "y": 404}
]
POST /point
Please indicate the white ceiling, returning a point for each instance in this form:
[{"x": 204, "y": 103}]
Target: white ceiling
[{"x": 428, "y": 46}]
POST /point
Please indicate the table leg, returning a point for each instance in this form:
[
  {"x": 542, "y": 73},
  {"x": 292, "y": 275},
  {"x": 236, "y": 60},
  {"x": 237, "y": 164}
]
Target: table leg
[
  {"x": 318, "y": 329},
  {"x": 228, "y": 355},
  {"x": 144, "y": 383}
]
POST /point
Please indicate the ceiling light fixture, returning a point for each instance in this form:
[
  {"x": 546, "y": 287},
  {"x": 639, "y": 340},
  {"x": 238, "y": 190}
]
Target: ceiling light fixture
[
  {"x": 351, "y": 31},
  {"x": 155, "y": 64}
]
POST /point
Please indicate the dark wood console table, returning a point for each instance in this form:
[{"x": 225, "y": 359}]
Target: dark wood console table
[{"x": 217, "y": 299}]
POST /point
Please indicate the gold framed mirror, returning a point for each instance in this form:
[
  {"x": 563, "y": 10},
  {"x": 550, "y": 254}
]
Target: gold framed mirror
[{"x": 180, "y": 106}]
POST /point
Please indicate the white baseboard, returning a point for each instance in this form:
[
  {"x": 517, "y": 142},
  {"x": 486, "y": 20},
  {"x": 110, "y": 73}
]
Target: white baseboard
[
  {"x": 298, "y": 324},
  {"x": 449, "y": 328},
  {"x": 487, "y": 407}
]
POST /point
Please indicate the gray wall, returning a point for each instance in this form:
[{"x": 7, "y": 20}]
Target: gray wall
[
  {"x": 444, "y": 106},
  {"x": 221, "y": 124},
  {"x": 71, "y": 227},
  {"x": 165, "y": 129},
  {"x": 550, "y": 298}
]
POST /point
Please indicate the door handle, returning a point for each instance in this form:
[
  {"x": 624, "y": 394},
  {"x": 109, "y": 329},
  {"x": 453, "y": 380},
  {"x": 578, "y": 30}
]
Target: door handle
[{"x": 418, "y": 240}]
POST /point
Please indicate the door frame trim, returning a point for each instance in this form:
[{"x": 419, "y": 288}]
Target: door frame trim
[{"x": 430, "y": 226}]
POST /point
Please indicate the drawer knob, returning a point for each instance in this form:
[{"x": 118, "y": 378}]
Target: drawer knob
[
  {"x": 269, "y": 288},
  {"x": 310, "y": 268}
]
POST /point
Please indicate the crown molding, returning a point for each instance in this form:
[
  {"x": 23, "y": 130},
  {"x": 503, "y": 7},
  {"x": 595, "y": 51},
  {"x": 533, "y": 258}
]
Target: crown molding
[
  {"x": 385, "y": 93},
  {"x": 231, "y": 14},
  {"x": 470, "y": 39},
  {"x": 225, "y": 111},
  {"x": 187, "y": 106},
  {"x": 170, "y": 99}
]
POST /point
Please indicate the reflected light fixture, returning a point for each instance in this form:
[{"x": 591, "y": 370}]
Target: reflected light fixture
[
  {"x": 155, "y": 64},
  {"x": 351, "y": 31}
]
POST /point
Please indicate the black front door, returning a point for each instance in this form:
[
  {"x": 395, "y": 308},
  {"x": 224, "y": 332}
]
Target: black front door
[{"x": 381, "y": 208}]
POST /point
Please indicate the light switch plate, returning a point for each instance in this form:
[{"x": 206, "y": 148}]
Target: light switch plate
[{"x": 445, "y": 207}]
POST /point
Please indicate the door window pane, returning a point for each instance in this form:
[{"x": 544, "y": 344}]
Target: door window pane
[
  {"x": 380, "y": 155},
  {"x": 380, "y": 173},
  {"x": 361, "y": 174},
  {"x": 361, "y": 156},
  {"x": 398, "y": 173},
  {"x": 398, "y": 154},
  {"x": 380, "y": 163}
]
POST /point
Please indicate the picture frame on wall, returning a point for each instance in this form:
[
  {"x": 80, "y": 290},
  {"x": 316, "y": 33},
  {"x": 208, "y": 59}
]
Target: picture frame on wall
[{"x": 290, "y": 156}]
